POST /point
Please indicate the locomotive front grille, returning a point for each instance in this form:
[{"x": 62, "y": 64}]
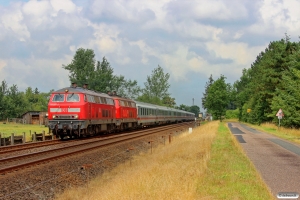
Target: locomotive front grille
[
  {"x": 75, "y": 116},
  {"x": 64, "y": 117}
]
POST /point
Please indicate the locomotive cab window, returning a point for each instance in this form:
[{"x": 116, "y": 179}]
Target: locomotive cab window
[
  {"x": 73, "y": 98},
  {"x": 58, "y": 98}
]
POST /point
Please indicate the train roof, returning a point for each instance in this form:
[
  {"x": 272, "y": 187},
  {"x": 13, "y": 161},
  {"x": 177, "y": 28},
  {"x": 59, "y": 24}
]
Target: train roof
[
  {"x": 149, "y": 105},
  {"x": 120, "y": 98},
  {"x": 80, "y": 90}
]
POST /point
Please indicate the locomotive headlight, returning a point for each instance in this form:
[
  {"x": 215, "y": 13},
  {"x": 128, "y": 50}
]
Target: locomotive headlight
[
  {"x": 54, "y": 116},
  {"x": 76, "y": 116}
]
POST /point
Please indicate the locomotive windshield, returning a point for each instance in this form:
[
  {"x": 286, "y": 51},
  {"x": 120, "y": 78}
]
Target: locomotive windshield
[
  {"x": 58, "y": 98},
  {"x": 73, "y": 98}
]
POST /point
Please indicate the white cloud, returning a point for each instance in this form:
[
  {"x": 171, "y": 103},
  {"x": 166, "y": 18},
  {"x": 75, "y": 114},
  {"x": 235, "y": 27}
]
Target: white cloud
[
  {"x": 209, "y": 9},
  {"x": 41, "y": 73},
  {"x": 181, "y": 61},
  {"x": 193, "y": 29},
  {"x": 278, "y": 17},
  {"x": 57, "y": 42},
  {"x": 239, "y": 53},
  {"x": 37, "y": 8},
  {"x": 2, "y": 72},
  {"x": 66, "y": 6},
  {"x": 13, "y": 21}
]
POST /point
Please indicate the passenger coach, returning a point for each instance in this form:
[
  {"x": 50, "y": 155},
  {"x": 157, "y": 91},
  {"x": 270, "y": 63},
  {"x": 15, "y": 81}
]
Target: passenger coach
[{"x": 149, "y": 114}]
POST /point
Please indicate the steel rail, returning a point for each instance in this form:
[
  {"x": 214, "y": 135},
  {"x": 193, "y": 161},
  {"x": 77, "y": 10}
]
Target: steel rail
[{"x": 20, "y": 147}]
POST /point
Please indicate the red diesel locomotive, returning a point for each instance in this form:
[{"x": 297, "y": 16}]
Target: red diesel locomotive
[{"x": 77, "y": 112}]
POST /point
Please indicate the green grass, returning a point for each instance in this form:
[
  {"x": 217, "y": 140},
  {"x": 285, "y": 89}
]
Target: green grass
[
  {"x": 285, "y": 133},
  {"x": 230, "y": 174},
  {"x": 7, "y": 129}
]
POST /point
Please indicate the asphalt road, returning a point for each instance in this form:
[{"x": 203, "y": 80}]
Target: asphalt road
[{"x": 277, "y": 160}]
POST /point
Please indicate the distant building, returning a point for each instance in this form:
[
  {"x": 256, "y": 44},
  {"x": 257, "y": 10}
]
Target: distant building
[{"x": 35, "y": 117}]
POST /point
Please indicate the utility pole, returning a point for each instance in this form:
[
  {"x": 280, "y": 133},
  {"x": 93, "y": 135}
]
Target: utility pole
[{"x": 193, "y": 101}]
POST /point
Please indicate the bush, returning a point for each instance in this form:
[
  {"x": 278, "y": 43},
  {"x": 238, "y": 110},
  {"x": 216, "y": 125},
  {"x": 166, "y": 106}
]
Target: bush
[{"x": 232, "y": 114}]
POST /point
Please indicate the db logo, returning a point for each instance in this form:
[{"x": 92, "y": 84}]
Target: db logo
[{"x": 64, "y": 110}]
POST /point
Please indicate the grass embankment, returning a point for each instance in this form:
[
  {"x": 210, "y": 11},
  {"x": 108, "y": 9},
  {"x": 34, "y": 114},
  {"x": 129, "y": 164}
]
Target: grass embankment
[
  {"x": 285, "y": 133},
  {"x": 206, "y": 164},
  {"x": 7, "y": 129},
  {"x": 230, "y": 174}
]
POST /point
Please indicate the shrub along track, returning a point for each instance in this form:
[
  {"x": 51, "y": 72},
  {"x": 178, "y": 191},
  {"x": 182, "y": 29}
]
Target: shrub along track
[{"x": 42, "y": 182}]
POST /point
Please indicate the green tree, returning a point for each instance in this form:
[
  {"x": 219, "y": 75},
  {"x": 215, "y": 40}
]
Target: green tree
[
  {"x": 99, "y": 75},
  {"x": 82, "y": 67},
  {"x": 217, "y": 98},
  {"x": 195, "y": 109},
  {"x": 260, "y": 85},
  {"x": 288, "y": 99},
  {"x": 169, "y": 101},
  {"x": 16, "y": 102},
  {"x": 125, "y": 88},
  {"x": 208, "y": 84},
  {"x": 103, "y": 77},
  {"x": 156, "y": 87},
  {"x": 183, "y": 107},
  {"x": 157, "y": 84},
  {"x": 3, "y": 100}
]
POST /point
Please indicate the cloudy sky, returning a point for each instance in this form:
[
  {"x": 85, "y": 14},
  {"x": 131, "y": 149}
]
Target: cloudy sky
[{"x": 190, "y": 39}]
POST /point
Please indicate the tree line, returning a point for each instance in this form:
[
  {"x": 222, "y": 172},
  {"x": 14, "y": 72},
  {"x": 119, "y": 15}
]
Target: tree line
[
  {"x": 99, "y": 75},
  {"x": 271, "y": 83},
  {"x": 14, "y": 103}
]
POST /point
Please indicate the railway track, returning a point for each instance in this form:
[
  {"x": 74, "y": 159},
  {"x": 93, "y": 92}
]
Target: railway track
[
  {"x": 19, "y": 162},
  {"x": 20, "y": 147}
]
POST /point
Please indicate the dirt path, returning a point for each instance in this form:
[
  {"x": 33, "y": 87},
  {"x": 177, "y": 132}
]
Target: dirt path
[{"x": 277, "y": 160}]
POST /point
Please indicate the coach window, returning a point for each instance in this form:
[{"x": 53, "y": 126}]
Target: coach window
[{"x": 58, "y": 98}]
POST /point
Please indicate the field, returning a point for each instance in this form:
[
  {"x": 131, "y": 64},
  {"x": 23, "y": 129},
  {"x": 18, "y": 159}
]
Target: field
[
  {"x": 206, "y": 164},
  {"x": 8, "y": 128}
]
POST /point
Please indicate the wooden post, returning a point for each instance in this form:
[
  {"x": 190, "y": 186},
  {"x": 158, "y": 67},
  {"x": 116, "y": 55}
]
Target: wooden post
[
  {"x": 128, "y": 150},
  {"x": 0, "y": 139},
  {"x": 53, "y": 138},
  {"x": 150, "y": 142},
  {"x": 4, "y": 142},
  {"x": 87, "y": 167},
  {"x": 24, "y": 137},
  {"x": 170, "y": 138},
  {"x": 34, "y": 137},
  {"x": 12, "y": 139},
  {"x": 43, "y": 135},
  {"x": 164, "y": 139}
]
